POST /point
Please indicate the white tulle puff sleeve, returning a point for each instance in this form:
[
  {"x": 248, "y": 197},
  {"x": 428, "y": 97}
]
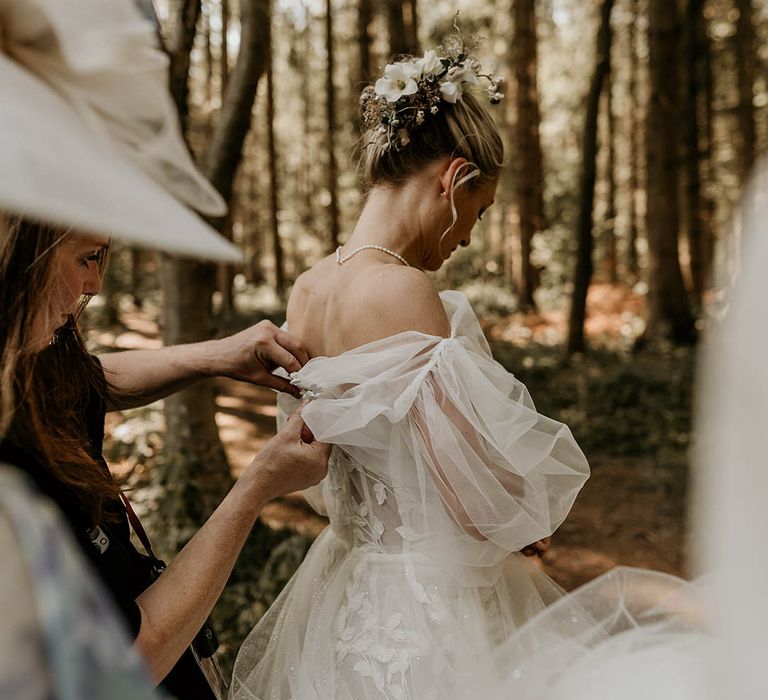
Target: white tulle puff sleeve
[{"x": 451, "y": 437}]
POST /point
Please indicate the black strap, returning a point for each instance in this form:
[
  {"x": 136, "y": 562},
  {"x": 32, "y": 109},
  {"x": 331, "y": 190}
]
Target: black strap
[{"x": 138, "y": 528}]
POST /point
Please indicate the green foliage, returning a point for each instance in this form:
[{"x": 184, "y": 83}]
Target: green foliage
[{"x": 617, "y": 405}]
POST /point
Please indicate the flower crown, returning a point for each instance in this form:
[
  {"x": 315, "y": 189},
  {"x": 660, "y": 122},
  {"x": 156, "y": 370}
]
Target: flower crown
[{"x": 413, "y": 89}]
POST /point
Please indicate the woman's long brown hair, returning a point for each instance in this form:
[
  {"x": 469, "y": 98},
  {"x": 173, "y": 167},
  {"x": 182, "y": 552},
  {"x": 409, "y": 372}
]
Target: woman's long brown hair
[{"x": 44, "y": 394}]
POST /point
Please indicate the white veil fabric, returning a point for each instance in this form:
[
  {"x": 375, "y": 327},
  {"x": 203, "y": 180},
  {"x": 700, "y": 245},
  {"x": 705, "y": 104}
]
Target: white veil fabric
[
  {"x": 634, "y": 634},
  {"x": 89, "y": 135},
  {"x": 731, "y": 475}
]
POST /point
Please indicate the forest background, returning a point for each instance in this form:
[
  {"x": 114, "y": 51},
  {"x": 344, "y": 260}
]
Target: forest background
[{"x": 631, "y": 128}]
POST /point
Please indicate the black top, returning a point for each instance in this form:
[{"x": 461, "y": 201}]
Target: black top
[{"x": 125, "y": 572}]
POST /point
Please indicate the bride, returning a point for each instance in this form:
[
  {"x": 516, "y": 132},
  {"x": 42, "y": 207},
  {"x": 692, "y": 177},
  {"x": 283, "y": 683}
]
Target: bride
[{"x": 442, "y": 469}]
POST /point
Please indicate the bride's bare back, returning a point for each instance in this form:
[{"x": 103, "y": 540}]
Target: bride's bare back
[{"x": 334, "y": 308}]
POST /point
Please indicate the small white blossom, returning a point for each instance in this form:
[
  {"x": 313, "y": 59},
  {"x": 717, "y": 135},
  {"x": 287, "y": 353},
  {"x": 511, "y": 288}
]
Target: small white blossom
[
  {"x": 455, "y": 74},
  {"x": 399, "y": 79},
  {"x": 434, "y": 109},
  {"x": 429, "y": 64},
  {"x": 471, "y": 67},
  {"x": 465, "y": 73},
  {"x": 420, "y": 117},
  {"x": 451, "y": 91}
]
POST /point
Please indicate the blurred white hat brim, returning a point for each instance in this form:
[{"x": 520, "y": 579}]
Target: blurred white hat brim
[
  {"x": 54, "y": 169},
  {"x": 89, "y": 139}
]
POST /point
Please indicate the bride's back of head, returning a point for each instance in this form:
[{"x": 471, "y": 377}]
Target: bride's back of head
[{"x": 403, "y": 136}]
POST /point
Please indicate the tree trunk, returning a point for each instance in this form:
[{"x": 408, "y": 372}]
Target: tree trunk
[
  {"x": 610, "y": 209},
  {"x": 583, "y": 272},
  {"x": 137, "y": 276},
  {"x": 745, "y": 63},
  {"x": 411, "y": 21},
  {"x": 528, "y": 156},
  {"x": 226, "y": 273},
  {"x": 305, "y": 166},
  {"x": 182, "y": 36},
  {"x": 196, "y": 473},
  {"x": 669, "y": 310},
  {"x": 403, "y": 27},
  {"x": 696, "y": 215},
  {"x": 224, "y": 46},
  {"x": 330, "y": 103},
  {"x": 706, "y": 158},
  {"x": 634, "y": 148},
  {"x": 364, "y": 19},
  {"x": 205, "y": 21},
  {"x": 225, "y": 149},
  {"x": 277, "y": 248}
]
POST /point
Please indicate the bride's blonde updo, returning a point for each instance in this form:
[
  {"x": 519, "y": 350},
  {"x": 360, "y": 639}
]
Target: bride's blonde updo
[{"x": 412, "y": 118}]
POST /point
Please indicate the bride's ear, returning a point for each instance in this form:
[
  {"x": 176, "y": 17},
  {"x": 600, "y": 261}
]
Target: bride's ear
[{"x": 457, "y": 172}]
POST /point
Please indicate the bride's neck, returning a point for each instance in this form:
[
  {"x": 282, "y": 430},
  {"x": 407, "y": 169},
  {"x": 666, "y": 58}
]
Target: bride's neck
[{"x": 391, "y": 218}]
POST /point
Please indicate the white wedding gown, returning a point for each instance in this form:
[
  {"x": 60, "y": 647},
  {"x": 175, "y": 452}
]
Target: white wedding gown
[{"x": 442, "y": 470}]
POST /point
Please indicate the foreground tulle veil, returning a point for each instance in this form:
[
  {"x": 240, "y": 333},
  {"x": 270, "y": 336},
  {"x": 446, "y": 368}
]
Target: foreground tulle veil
[{"x": 635, "y": 634}]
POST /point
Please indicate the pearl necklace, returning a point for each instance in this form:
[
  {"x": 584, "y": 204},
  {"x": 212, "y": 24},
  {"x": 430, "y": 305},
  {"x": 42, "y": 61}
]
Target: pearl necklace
[{"x": 370, "y": 246}]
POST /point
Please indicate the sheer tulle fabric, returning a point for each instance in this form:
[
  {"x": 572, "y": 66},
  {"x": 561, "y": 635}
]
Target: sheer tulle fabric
[
  {"x": 442, "y": 468},
  {"x": 630, "y": 634}
]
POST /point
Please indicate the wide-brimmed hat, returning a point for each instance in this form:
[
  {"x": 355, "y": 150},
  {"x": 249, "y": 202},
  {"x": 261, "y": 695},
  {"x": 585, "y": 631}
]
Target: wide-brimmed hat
[{"x": 89, "y": 135}]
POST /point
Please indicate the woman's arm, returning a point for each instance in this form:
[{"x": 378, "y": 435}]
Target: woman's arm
[
  {"x": 138, "y": 377},
  {"x": 513, "y": 484},
  {"x": 174, "y": 608}
]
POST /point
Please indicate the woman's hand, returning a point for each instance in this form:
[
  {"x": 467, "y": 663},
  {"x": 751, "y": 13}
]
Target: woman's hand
[
  {"x": 252, "y": 355},
  {"x": 537, "y": 549},
  {"x": 291, "y": 461}
]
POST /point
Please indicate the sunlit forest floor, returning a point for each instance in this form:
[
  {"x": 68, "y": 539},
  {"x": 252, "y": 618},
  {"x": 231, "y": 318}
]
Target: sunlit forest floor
[{"x": 630, "y": 413}]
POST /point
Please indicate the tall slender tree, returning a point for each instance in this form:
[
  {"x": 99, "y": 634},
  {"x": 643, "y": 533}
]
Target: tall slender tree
[
  {"x": 745, "y": 69},
  {"x": 634, "y": 147},
  {"x": 274, "y": 204},
  {"x": 669, "y": 312},
  {"x": 610, "y": 176},
  {"x": 181, "y": 37},
  {"x": 196, "y": 473},
  {"x": 364, "y": 41},
  {"x": 330, "y": 112},
  {"x": 583, "y": 272},
  {"x": 224, "y": 8},
  {"x": 699, "y": 236},
  {"x": 403, "y": 27},
  {"x": 528, "y": 157},
  {"x": 305, "y": 162}
]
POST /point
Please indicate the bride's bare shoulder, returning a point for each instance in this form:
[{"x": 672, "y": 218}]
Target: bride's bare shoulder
[{"x": 392, "y": 299}]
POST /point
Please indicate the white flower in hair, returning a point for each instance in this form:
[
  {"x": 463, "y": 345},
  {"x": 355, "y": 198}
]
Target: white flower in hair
[
  {"x": 471, "y": 71},
  {"x": 429, "y": 64},
  {"x": 399, "y": 79},
  {"x": 451, "y": 91},
  {"x": 464, "y": 73}
]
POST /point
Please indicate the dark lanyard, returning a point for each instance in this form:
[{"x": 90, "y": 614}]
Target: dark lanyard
[{"x": 141, "y": 533}]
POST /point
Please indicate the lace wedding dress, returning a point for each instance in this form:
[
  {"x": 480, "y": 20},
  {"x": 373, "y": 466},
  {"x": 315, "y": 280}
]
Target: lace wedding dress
[{"x": 442, "y": 469}]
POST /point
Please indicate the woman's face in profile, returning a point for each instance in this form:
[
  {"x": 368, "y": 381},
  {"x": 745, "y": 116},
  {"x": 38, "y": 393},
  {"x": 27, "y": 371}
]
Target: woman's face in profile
[
  {"x": 75, "y": 273},
  {"x": 470, "y": 208}
]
